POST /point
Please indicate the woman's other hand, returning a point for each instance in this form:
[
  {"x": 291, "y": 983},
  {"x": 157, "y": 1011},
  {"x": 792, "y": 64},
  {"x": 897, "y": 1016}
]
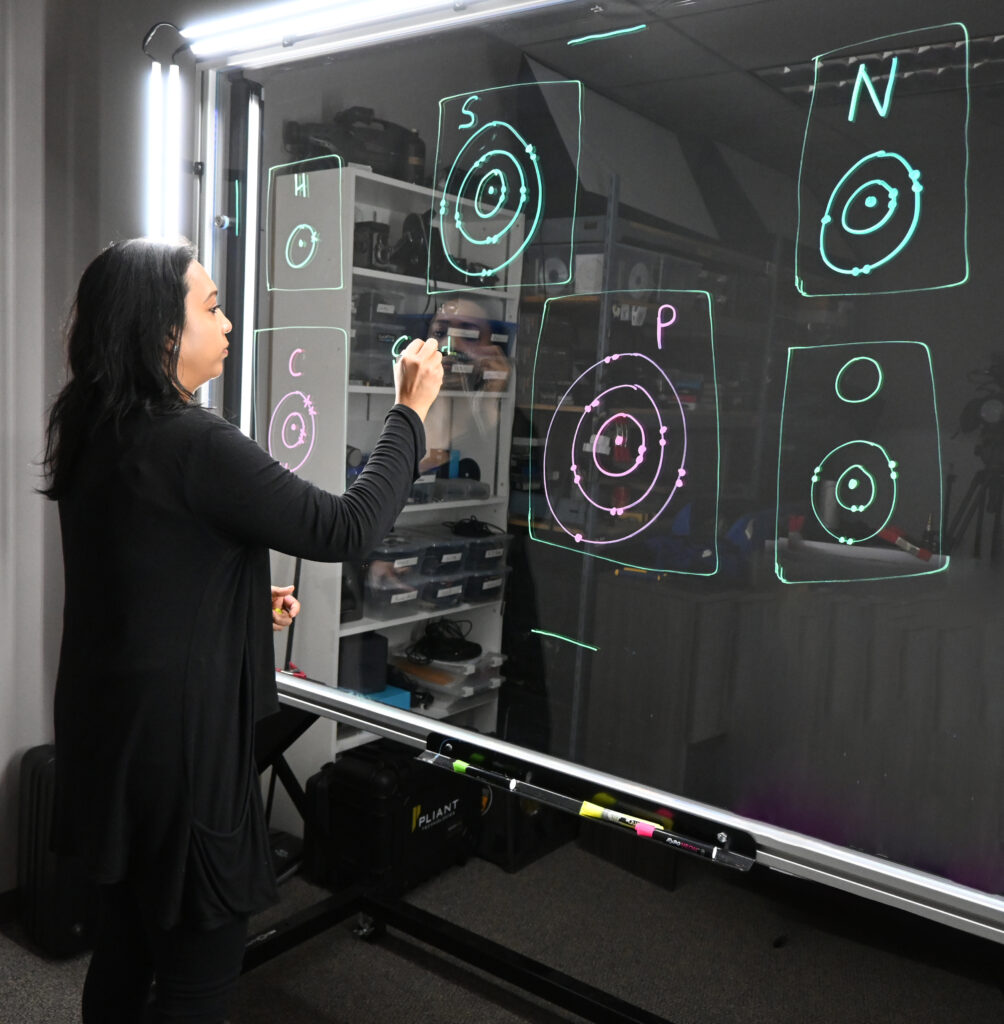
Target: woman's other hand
[
  {"x": 418, "y": 375},
  {"x": 285, "y": 607}
]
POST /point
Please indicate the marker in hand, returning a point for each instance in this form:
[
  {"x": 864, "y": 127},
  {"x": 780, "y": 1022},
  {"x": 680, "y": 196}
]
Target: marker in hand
[{"x": 285, "y": 607}]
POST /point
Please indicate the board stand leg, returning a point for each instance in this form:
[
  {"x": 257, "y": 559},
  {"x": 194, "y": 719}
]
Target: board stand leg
[{"x": 380, "y": 913}]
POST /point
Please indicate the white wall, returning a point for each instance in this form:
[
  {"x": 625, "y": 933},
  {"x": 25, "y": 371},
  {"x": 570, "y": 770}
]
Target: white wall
[
  {"x": 24, "y": 689},
  {"x": 71, "y": 176}
]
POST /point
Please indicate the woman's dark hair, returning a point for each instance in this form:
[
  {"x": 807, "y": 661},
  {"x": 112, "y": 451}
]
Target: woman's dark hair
[{"x": 122, "y": 347}]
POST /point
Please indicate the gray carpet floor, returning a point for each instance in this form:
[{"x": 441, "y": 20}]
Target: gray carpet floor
[{"x": 718, "y": 947}]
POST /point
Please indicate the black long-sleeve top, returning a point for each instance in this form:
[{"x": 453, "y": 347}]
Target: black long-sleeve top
[{"x": 167, "y": 659}]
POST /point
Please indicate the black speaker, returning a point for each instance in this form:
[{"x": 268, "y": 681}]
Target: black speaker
[{"x": 362, "y": 662}]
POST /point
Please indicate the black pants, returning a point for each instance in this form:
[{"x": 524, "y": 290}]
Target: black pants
[{"x": 194, "y": 970}]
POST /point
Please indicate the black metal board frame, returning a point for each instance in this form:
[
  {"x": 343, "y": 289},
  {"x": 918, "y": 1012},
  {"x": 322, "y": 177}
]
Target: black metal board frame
[{"x": 528, "y": 974}]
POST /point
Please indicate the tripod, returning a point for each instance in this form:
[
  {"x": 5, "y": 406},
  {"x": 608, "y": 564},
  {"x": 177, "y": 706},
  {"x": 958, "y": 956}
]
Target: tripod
[{"x": 985, "y": 494}]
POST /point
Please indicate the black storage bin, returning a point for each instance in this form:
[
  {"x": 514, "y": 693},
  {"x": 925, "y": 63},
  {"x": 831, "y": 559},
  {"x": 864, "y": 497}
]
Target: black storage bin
[
  {"x": 380, "y": 818},
  {"x": 518, "y": 830},
  {"x": 57, "y": 906}
]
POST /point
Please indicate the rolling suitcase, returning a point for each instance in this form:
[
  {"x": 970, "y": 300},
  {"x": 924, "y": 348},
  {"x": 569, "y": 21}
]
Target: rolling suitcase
[{"x": 57, "y": 906}]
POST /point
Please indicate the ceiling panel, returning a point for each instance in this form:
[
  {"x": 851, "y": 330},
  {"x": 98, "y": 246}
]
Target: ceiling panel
[
  {"x": 730, "y": 107},
  {"x": 785, "y": 31},
  {"x": 567, "y": 21},
  {"x": 658, "y": 53}
]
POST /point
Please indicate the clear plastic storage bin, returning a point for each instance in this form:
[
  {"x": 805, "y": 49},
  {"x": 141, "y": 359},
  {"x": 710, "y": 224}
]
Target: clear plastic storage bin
[
  {"x": 445, "y": 552},
  {"x": 488, "y": 552},
  {"x": 488, "y": 585},
  {"x": 439, "y": 593}
]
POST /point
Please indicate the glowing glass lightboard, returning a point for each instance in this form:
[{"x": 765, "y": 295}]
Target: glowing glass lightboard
[
  {"x": 894, "y": 218},
  {"x": 860, "y": 464},
  {"x": 753, "y": 370},
  {"x": 298, "y": 414},
  {"x": 630, "y": 463},
  {"x": 498, "y": 185},
  {"x": 303, "y": 243}
]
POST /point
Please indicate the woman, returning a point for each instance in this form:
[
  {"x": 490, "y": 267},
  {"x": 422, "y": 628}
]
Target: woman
[{"x": 167, "y": 515}]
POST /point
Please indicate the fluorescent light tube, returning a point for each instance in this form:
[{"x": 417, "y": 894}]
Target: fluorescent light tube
[
  {"x": 171, "y": 195},
  {"x": 247, "y": 368},
  {"x": 271, "y": 25},
  {"x": 155, "y": 152}
]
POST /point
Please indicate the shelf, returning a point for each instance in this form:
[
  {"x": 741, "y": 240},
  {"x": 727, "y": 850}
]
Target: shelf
[
  {"x": 368, "y": 389},
  {"x": 436, "y": 506},
  {"x": 421, "y": 282},
  {"x": 367, "y": 625},
  {"x": 370, "y": 177}
]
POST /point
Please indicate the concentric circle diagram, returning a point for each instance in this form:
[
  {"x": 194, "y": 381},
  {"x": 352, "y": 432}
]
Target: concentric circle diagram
[
  {"x": 863, "y": 474},
  {"x": 627, "y": 456},
  {"x": 301, "y": 246},
  {"x": 877, "y": 207},
  {"x": 494, "y": 181},
  {"x": 291, "y": 430}
]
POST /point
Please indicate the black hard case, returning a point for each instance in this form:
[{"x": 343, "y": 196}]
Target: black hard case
[
  {"x": 58, "y": 907},
  {"x": 380, "y": 818}
]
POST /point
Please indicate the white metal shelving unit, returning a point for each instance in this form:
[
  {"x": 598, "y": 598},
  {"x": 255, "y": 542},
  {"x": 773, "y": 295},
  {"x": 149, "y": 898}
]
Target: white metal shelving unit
[{"x": 477, "y": 422}]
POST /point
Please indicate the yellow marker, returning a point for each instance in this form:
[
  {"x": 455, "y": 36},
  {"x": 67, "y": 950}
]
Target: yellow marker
[{"x": 642, "y": 827}]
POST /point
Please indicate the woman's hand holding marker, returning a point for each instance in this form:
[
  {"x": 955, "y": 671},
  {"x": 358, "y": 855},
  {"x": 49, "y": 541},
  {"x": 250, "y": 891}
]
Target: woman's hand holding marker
[{"x": 418, "y": 375}]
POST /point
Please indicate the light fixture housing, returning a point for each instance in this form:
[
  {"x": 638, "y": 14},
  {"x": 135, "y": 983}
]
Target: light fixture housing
[{"x": 274, "y": 33}]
